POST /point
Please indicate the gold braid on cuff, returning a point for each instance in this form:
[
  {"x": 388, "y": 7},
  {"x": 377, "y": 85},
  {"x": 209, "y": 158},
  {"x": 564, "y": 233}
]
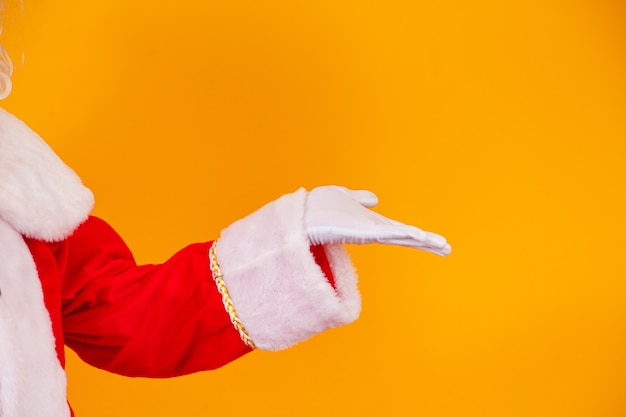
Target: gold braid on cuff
[{"x": 218, "y": 277}]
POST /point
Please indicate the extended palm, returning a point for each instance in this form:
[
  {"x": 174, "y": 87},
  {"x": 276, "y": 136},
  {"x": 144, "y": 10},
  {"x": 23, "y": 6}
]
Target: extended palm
[{"x": 338, "y": 215}]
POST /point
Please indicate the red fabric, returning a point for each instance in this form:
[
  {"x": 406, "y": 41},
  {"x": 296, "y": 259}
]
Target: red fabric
[
  {"x": 45, "y": 257},
  {"x": 319, "y": 254},
  {"x": 152, "y": 320}
]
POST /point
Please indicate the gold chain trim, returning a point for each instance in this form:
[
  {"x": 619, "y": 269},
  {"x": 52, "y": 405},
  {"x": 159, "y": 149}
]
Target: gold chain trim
[{"x": 228, "y": 304}]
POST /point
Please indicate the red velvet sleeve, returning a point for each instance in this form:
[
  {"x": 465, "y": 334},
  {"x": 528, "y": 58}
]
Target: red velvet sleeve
[{"x": 153, "y": 320}]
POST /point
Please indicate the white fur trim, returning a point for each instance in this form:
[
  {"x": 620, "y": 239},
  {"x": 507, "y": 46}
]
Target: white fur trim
[
  {"x": 32, "y": 382},
  {"x": 40, "y": 196},
  {"x": 279, "y": 293}
]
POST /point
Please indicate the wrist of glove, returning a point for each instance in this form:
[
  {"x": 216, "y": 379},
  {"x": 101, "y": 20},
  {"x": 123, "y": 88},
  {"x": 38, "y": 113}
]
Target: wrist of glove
[{"x": 337, "y": 215}]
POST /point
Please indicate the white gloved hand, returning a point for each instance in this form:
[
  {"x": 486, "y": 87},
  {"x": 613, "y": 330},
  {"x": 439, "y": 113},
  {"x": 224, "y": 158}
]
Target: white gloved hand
[{"x": 335, "y": 214}]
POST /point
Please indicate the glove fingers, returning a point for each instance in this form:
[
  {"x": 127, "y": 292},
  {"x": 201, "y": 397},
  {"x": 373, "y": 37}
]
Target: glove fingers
[
  {"x": 436, "y": 240},
  {"x": 409, "y": 243},
  {"x": 339, "y": 215},
  {"x": 383, "y": 233},
  {"x": 409, "y": 236},
  {"x": 413, "y": 232}
]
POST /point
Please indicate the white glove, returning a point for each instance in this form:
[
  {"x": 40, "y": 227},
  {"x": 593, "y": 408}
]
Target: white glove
[{"x": 335, "y": 214}]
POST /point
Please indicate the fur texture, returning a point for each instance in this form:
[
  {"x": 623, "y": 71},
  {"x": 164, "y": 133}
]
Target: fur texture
[
  {"x": 279, "y": 293},
  {"x": 32, "y": 382},
  {"x": 40, "y": 197}
]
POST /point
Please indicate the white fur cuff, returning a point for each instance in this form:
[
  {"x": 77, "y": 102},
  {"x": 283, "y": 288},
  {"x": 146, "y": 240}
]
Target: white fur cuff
[{"x": 279, "y": 292}]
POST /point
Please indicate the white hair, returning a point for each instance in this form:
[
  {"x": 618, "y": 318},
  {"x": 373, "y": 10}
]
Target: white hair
[{"x": 6, "y": 65}]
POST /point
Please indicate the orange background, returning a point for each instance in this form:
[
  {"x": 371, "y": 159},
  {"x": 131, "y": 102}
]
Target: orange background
[{"x": 500, "y": 124}]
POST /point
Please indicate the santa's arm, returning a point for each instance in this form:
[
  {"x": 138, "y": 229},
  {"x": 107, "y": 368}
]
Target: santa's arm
[
  {"x": 170, "y": 319},
  {"x": 260, "y": 285}
]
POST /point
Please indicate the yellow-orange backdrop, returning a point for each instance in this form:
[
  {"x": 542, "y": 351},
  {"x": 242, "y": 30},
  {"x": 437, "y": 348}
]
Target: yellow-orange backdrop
[{"x": 501, "y": 125}]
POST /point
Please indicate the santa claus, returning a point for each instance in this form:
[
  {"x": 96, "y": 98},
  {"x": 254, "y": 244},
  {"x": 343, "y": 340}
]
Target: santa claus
[{"x": 269, "y": 281}]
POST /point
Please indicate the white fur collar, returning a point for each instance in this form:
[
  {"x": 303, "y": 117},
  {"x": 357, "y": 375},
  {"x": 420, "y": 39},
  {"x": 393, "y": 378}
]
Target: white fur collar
[{"x": 40, "y": 196}]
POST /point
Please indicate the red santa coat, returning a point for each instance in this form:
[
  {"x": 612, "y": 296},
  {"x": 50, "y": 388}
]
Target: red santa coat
[{"x": 67, "y": 278}]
